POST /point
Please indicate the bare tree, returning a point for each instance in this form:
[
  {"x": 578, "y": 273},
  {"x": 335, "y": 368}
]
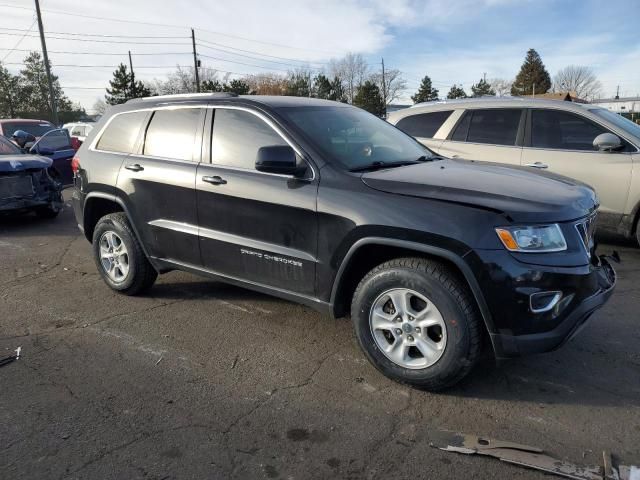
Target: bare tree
[
  {"x": 501, "y": 86},
  {"x": 183, "y": 80},
  {"x": 578, "y": 79},
  {"x": 352, "y": 70},
  {"x": 267, "y": 83},
  {"x": 394, "y": 84},
  {"x": 99, "y": 107}
]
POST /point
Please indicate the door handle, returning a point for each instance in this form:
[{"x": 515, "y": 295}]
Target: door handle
[
  {"x": 215, "y": 180},
  {"x": 537, "y": 165},
  {"x": 136, "y": 167}
]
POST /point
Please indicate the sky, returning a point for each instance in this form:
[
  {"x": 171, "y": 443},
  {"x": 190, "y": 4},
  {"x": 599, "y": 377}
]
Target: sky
[{"x": 452, "y": 41}]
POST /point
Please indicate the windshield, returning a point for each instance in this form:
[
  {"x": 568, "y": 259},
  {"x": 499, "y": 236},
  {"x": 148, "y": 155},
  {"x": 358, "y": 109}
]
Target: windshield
[
  {"x": 353, "y": 137},
  {"x": 618, "y": 120},
  {"x": 7, "y": 147},
  {"x": 37, "y": 129}
]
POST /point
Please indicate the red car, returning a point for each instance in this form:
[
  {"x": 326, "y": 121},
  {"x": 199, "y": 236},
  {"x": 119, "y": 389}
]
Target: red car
[{"x": 37, "y": 128}]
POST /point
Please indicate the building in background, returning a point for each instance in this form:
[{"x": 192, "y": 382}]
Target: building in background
[{"x": 620, "y": 105}]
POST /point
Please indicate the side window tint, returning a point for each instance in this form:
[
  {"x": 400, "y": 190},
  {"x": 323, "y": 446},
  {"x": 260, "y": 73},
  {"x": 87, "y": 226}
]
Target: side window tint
[
  {"x": 121, "y": 134},
  {"x": 237, "y": 136},
  {"x": 462, "y": 129},
  {"x": 562, "y": 130},
  {"x": 172, "y": 134},
  {"x": 494, "y": 126},
  {"x": 423, "y": 124}
]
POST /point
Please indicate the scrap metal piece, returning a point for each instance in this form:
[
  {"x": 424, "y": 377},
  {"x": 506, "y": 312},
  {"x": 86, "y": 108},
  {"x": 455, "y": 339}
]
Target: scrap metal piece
[
  {"x": 11, "y": 358},
  {"x": 528, "y": 456}
]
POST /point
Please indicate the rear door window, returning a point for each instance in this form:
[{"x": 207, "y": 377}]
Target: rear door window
[
  {"x": 122, "y": 132},
  {"x": 560, "y": 130},
  {"x": 173, "y": 134},
  {"x": 494, "y": 126},
  {"x": 423, "y": 124}
]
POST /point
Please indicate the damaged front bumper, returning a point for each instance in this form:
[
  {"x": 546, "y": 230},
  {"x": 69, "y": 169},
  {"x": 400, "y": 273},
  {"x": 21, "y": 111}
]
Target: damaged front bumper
[{"x": 29, "y": 190}]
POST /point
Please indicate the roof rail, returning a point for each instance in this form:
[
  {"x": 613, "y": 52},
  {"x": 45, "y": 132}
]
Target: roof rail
[{"x": 180, "y": 96}]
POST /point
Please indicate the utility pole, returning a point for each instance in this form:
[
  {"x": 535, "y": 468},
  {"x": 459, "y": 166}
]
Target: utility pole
[
  {"x": 52, "y": 98},
  {"x": 195, "y": 60},
  {"x": 534, "y": 89},
  {"x": 384, "y": 91},
  {"x": 133, "y": 78},
  {"x": 618, "y": 92},
  {"x": 484, "y": 77}
]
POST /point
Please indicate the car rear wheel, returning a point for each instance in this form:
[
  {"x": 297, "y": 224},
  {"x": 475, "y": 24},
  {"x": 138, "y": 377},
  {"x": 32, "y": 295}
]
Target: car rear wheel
[
  {"x": 417, "y": 323},
  {"x": 119, "y": 257}
]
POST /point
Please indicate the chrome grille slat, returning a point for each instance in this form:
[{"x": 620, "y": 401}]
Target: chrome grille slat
[{"x": 586, "y": 229}]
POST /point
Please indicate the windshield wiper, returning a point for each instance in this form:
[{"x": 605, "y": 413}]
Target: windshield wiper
[{"x": 378, "y": 165}]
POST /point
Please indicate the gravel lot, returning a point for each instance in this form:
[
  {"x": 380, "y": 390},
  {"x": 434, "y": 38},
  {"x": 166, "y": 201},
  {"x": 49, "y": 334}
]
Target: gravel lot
[{"x": 202, "y": 380}]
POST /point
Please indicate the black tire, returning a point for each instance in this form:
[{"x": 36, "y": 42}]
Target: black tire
[
  {"x": 48, "y": 212},
  {"x": 451, "y": 297},
  {"x": 141, "y": 274}
]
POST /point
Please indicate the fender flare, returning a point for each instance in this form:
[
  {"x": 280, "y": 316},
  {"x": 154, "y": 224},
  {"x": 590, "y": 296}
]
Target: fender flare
[
  {"x": 114, "y": 198},
  {"x": 445, "y": 254}
]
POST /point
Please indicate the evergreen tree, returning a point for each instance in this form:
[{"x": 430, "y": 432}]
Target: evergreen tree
[
  {"x": 482, "y": 89},
  {"x": 34, "y": 98},
  {"x": 426, "y": 92},
  {"x": 125, "y": 87},
  {"x": 370, "y": 99},
  {"x": 212, "y": 86},
  {"x": 532, "y": 75},
  {"x": 338, "y": 93},
  {"x": 9, "y": 94},
  {"x": 456, "y": 92},
  {"x": 322, "y": 87},
  {"x": 297, "y": 85},
  {"x": 239, "y": 87}
]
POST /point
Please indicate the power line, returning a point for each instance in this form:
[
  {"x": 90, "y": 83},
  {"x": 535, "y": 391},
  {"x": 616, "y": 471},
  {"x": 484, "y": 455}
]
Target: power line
[
  {"x": 242, "y": 63},
  {"x": 95, "y": 40},
  {"x": 98, "y": 34},
  {"x": 100, "y": 53},
  {"x": 137, "y": 22},
  {"x": 251, "y": 57},
  {"x": 19, "y": 41},
  {"x": 104, "y": 66},
  {"x": 207, "y": 42}
]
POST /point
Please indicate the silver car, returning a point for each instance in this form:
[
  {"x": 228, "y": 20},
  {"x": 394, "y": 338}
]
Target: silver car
[{"x": 581, "y": 141}]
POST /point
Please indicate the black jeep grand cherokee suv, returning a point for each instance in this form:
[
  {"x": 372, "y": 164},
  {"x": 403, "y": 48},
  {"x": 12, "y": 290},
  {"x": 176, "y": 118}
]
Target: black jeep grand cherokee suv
[{"x": 324, "y": 204}]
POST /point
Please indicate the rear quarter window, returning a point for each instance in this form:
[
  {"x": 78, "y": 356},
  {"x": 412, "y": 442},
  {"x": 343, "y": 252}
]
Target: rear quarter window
[
  {"x": 122, "y": 132},
  {"x": 423, "y": 124}
]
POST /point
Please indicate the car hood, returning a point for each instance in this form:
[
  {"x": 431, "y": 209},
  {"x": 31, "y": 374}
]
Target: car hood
[
  {"x": 17, "y": 163},
  {"x": 517, "y": 192}
]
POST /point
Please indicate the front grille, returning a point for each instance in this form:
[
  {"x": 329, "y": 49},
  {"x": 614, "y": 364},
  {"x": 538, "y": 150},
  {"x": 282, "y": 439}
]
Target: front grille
[
  {"x": 586, "y": 229},
  {"x": 16, "y": 186}
]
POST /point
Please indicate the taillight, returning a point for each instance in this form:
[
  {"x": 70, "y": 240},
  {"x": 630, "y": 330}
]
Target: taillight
[
  {"x": 75, "y": 164},
  {"x": 75, "y": 143}
]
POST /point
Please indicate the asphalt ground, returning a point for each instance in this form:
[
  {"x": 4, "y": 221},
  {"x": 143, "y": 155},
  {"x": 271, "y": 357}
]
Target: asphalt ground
[{"x": 198, "y": 379}]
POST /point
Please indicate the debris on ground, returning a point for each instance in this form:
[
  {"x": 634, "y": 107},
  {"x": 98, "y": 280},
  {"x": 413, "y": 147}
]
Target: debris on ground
[
  {"x": 532, "y": 457},
  {"x": 11, "y": 358}
]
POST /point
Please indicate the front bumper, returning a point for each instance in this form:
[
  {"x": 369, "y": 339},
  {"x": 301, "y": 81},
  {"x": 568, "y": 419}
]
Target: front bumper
[{"x": 519, "y": 331}]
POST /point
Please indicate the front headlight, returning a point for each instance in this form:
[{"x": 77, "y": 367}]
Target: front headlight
[{"x": 536, "y": 239}]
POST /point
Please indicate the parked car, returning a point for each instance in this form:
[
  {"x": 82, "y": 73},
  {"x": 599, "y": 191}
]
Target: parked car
[
  {"x": 26, "y": 184},
  {"x": 37, "y": 128},
  {"x": 325, "y": 204},
  {"x": 78, "y": 132},
  {"x": 55, "y": 144},
  {"x": 580, "y": 141}
]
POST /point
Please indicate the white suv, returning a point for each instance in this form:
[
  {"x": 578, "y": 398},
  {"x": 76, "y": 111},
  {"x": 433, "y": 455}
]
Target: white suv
[{"x": 581, "y": 141}]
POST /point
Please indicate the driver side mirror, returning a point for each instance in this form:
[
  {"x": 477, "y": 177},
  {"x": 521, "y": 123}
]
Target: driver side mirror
[
  {"x": 607, "y": 142},
  {"x": 22, "y": 138},
  {"x": 280, "y": 159}
]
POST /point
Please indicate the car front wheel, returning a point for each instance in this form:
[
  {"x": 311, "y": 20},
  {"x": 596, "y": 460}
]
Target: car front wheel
[
  {"x": 119, "y": 257},
  {"x": 417, "y": 323}
]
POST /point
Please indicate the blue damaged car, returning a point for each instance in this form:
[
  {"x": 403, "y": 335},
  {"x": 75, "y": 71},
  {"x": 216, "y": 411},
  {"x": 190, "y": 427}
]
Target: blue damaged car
[{"x": 26, "y": 184}]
